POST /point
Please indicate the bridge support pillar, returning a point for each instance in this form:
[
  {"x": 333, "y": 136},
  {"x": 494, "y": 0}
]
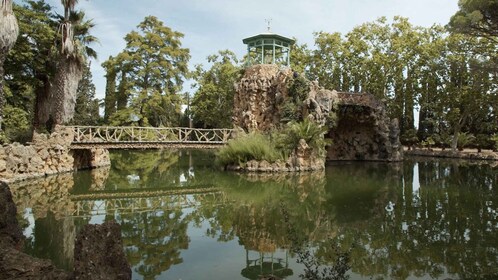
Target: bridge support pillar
[{"x": 90, "y": 158}]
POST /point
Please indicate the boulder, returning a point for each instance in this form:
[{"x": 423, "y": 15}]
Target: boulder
[{"x": 98, "y": 253}]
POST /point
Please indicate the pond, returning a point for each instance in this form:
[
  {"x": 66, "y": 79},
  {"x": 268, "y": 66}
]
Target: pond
[{"x": 183, "y": 218}]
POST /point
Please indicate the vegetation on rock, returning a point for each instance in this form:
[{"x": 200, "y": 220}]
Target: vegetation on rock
[
  {"x": 253, "y": 146},
  {"x": 276, "y": 145},
  {"x": 288, "y": 138}
]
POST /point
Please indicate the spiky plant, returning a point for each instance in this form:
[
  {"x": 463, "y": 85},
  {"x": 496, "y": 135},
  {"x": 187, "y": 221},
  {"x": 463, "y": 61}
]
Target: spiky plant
[
  {"x": 288, "y": 139},
  {"x": 9, "y": 29}
]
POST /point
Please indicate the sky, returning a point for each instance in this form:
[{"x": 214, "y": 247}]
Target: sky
[{"x": 213, "y": 25}]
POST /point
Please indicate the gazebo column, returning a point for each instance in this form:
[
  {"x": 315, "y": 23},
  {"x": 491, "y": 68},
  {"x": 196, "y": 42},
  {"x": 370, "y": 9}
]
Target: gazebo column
[{"x": 273, "y": 44}]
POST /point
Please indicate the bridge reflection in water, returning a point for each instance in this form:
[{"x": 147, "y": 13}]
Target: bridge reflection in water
[{"x": 418, "y": 219}]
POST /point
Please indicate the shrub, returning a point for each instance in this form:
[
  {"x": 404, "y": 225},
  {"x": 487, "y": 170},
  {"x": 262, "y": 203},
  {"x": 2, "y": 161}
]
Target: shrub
[
  {"x": 311, "y": 132},
  {"x": 482, "y": 141},
  {"x": 464, "y": 139},
  {"x": 254, "y": 146},
  {"x": 16, "y": 125},
  {"x": 428, "y": 143},
  {"x": 494, "y": 138}
]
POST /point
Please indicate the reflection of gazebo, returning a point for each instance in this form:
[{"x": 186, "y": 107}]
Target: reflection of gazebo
[{"x": 266, "y": 265}]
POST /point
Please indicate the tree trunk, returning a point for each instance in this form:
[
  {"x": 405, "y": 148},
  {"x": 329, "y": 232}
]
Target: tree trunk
[
  {"x": 42, "y": 110},
  {"x": 2, "y": 95},
  {"x": 64, "y": 89},
  {"x": 110, "y": 94},
  {"x": 454, "y": 141}
]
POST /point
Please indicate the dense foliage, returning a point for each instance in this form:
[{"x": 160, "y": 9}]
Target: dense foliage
[
  {"x": 448, "y": 76},
  {"x": 30, "y": 68},
  {"x": 212, "y": 104},
  {"x": 477, "y": 17},
  {"x": 144, "y": 80},
  {"x": 87, "y": 105}
]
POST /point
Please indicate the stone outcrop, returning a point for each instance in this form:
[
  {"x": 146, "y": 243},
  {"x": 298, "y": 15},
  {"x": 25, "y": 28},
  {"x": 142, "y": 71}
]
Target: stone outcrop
[
  {"x": 98, "y": 251},
  {"x": 359, "y": 126},
  {"x": 264, "y": 89},
  {"x": 364, "y": 131},
  {"x": 46, "y": 155},
  {"x": 257, "y": 96},
  {"x": 15, "y": 264}
]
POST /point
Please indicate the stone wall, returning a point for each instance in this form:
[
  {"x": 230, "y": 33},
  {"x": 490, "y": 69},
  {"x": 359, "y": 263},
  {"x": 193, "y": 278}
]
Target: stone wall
[
  {"x": 359, "y": 126},
  {"x": 46, "y": 155}
]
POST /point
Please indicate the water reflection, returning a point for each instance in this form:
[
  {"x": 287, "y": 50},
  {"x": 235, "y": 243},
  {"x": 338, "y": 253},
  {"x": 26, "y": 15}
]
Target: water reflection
[{"x": 418, "y": 219}]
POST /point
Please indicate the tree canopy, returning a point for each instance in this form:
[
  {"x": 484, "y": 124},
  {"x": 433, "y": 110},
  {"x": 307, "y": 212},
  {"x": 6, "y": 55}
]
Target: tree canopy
[
  {"x": 212, "y": 104},
  {"x": 477, "y": 18},
  {"x": 149, "y": 73}
]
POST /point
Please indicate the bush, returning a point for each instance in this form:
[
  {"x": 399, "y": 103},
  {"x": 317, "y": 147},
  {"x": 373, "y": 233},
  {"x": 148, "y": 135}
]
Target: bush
[
  {"x": 254, "y": 146},
  {"x": 311, "y": 132},
  {"x": 16, "y": 125},
  {"x": 494, "y": 138},
  {"x": 464, "y": 139},
  {"x": 482, "y": 141}
]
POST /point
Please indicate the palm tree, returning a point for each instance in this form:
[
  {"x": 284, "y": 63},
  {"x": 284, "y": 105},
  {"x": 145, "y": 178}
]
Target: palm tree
[
  {"x": 73, "y": 53},
  {"x": 8, "y": 36}
]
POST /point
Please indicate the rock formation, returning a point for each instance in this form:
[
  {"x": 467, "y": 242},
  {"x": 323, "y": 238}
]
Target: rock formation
[
  {"x": 359, "y": 126},
  {"x": 102, "y": 247},
  {"x": 364, "y": 131},
  {"x": 98, "y": 251},
  {"x": 15, "y": 264},
  {"x": 47, "y": 154}
]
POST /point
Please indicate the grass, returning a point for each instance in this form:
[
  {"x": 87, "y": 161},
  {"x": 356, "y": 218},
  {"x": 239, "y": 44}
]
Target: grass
[
  {"x": 254, "y": 146},
  {"x": 277, "y": 145}
]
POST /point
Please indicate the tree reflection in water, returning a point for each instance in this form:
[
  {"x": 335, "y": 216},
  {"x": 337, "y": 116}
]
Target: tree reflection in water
[{"x": 418, "y": 219}]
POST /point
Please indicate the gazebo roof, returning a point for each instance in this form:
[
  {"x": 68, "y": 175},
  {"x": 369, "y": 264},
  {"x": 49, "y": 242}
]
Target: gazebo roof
[{"x": 269, "y": 36}]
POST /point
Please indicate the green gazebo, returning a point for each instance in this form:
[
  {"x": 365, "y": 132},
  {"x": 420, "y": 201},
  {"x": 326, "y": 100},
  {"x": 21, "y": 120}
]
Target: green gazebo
[{"x": 268, "y": 48}]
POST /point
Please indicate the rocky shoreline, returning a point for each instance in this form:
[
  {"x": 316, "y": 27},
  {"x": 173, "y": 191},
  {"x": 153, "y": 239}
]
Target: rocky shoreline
[
  {"x": 465, "y": 154},
  {"x": 98, "y": 251},
  {"x": 47, "y": 155}
]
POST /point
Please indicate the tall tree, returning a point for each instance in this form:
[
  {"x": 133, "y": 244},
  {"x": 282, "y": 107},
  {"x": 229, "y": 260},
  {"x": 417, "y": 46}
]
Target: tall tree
[
  {"x": 9, "y": 30},
  {"x": 212, "y": 104},
  {"x": 86, "y": 111},
  {"x": 73, "y": 51},
  {"x": 110, "y": 89},
  {"x": 151, "y": 72},
  {"x": 477, "y": 17}
]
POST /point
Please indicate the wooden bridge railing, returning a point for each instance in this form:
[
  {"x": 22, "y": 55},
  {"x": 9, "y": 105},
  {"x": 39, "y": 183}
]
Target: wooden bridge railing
[{"x": 133, "y": 134}]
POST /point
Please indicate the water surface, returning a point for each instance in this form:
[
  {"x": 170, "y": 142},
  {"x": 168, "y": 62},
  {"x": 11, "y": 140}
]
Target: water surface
[{"x": 182, "y": 218}]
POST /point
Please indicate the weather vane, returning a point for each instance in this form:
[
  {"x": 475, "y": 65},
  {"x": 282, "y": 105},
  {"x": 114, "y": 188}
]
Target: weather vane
[{"x": 268, "y": 22}]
